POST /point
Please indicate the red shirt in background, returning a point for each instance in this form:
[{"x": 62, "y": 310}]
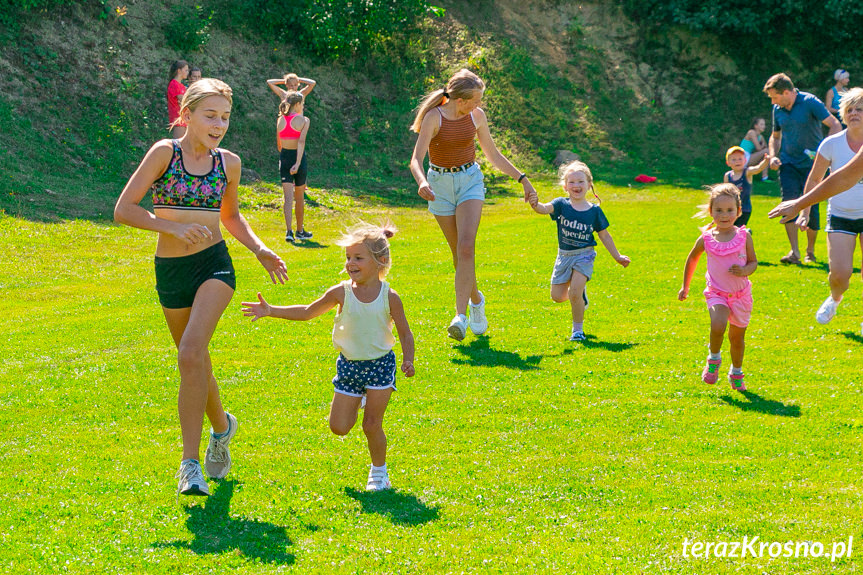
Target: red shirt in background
[{"x": 175, "y": 94}]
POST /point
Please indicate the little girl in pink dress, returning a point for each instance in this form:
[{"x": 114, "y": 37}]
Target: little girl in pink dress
[{"x": 730, "y": 261}]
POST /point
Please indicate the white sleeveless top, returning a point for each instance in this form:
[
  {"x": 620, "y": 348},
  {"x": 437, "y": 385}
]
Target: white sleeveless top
[{"x": 364, "y": 330}]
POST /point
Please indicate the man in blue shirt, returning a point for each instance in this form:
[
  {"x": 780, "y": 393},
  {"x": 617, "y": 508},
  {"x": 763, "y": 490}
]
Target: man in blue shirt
[{"x": 797, "y": 120}]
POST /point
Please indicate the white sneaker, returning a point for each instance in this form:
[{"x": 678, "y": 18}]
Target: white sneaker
[
  {"x": 458, "y": 327},
  {"x": 218, "y": 457},
  {"x": 192, "y": 481},
  {"x": 378, "y": 480},
  {"x": 478, "y": 322},
  {"x": 827, "y": 310}
]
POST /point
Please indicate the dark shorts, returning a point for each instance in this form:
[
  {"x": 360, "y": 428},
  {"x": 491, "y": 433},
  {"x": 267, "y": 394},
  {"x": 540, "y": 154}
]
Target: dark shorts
[
  {"x": 743, "y": 219},
  {"x": 178, "y": 279},
  {"x": 354, "y": 377},
  {"x": 837, "y": 225},
  {"x": 287, "y": 158},
  {"x": 792, "y": 180}
]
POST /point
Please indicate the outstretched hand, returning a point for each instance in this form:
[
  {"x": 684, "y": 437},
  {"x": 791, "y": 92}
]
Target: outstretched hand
[
  {"x": 787, "y": 210},
  {"x": 256, "y": 310},
  {"x": 273, "y": 264}
]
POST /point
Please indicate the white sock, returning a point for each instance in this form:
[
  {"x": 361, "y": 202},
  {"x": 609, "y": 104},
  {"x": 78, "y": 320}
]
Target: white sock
[
  {"x": 736, "y": 370},
  {"x": 382, "y": 468},
  {"x": 714, "y": 356},
  {"x": 577, "y": 327}
]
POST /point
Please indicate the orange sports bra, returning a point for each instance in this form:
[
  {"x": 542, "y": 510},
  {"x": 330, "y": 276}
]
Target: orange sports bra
[{"x": 288, "y": 132}]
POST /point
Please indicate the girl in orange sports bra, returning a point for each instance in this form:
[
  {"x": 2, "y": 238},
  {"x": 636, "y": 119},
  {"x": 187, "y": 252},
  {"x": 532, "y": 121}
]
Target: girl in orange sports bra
[
  {"x": 194, "y": 187},
  {"x": 291, "y": 130},
  {"x": 449, "y": 122}
]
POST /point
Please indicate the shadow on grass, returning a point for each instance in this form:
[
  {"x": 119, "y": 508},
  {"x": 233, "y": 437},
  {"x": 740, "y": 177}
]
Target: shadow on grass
[
  {"x": 309, "y": 244},
  {"x": 591, "y": 342},
  {"x": 217, "y": 532},
  {"x": 762, "y": 405},
  {"x": 853, "y": 336},
  {"x": 480, "y": 354},
  {"x": 400, "y": 508}
]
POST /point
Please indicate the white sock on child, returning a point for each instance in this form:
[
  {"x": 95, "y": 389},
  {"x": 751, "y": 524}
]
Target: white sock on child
[{"x": 714, "y": 356}]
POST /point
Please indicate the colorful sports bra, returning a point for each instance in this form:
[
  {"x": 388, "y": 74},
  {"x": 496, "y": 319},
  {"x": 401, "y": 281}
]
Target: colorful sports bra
[
  {"x": 288, "y": 132},
  {"x": 178, "y": 189}
]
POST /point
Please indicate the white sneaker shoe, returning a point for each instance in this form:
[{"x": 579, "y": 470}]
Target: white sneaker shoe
[
  {"x": 218, "y": 457},
  {"x": 827, "y": 310},
  {"x": 192, "y": 481},
  {"x": 458, "y": 327},
  {"x": 378, "y": 480},
  {"x": 478, "y": 322}
]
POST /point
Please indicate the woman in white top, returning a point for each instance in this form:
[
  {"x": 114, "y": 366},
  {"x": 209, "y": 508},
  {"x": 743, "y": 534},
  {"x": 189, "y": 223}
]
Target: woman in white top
[{"x": 845, "y": 210}]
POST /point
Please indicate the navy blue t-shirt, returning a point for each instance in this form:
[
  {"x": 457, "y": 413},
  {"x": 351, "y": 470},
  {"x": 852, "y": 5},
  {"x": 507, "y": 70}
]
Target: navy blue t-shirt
[
  {"x": 575, "y": 229},
  {"x": 801, "y": 129}
]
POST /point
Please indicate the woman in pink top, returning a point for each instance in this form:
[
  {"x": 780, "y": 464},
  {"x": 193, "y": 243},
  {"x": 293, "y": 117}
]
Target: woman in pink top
[
  {"x": 291, "y": 129},
  {"x": 176, "y": 89},
  {"x": 730, "y": 261}
]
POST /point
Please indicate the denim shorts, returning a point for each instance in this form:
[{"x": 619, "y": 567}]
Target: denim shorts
[
  {"x": 178, "y": 279},
  {"x": 792, "y": 180},
  {"x": 580, "y": 260},
  {"x": 452, "y": 188},
  {"x": 838, "y": 225},
  {"x": 355, "y": 376}
]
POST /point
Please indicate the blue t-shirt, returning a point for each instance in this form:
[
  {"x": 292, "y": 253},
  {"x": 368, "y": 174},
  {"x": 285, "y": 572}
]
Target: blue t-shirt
[
  {"x": 745, "y": 186},
  {"x": 574, "y": 228},
  {"x": 801, "y": 129}
]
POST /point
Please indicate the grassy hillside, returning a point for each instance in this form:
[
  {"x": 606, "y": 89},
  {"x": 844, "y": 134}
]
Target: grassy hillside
[{"x": 82, "y": 97}]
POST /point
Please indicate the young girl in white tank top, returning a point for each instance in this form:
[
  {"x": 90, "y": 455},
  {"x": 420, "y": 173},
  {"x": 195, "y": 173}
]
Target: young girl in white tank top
[{"x": 366, "y": 366}]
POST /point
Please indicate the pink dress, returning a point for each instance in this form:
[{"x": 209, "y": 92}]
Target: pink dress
[{"x": 724, "y": 288}]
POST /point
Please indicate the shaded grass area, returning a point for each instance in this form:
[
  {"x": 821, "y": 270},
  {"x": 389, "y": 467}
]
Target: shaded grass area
[{"x": 518, "y": 451}]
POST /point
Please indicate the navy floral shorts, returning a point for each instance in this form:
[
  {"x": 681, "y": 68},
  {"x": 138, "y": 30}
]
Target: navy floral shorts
[{"x": 353, "y": 377}]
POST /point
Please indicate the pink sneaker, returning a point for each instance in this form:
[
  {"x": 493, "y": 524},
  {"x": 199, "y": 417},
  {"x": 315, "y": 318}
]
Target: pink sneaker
[
  {"x": 711, "y": 371},
  {"x": 736, "y": 381}
]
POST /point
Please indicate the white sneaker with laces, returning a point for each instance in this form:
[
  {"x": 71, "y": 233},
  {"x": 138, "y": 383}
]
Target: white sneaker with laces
[
  {"x": 192, "y": 481},
  {"x": 478, "y": 322},
  {"x": 218, "y": 457},
  {"x": 458, "y": 327},
  {"x": 378, "y": 480},
  {"x": 827, "y": 310}
]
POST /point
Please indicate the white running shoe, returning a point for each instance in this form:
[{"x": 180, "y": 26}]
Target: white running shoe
[
  {"x": 458, "y": 327},
  {"x": 192, "y": 481},
  {"x": 478, "y": 322},
  {"x": 218, "y": 457},
  {"x": 827, "y": 310},
  {"x": 378, "y": 480}
]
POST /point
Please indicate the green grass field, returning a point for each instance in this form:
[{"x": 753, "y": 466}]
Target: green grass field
[{"x": 515, "y": 452}]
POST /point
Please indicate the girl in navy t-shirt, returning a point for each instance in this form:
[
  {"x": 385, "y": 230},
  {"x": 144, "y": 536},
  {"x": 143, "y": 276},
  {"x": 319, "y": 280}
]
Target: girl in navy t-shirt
[{"x": 577, "y": 221}]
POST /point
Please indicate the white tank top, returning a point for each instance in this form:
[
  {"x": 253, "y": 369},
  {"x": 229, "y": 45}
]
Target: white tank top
[{"x": 364, "y": 330}]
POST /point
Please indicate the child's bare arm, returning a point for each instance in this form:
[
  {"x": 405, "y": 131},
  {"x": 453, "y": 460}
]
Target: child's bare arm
[
  {"x": 608, "y": 242},
  {"x": 256, "y": 310},
  {"x": 541, "y": 208},
  {"x": 765, "y": 161},
  {"x": 406, "y": 336},
  {"x": 689, "y": 268}
]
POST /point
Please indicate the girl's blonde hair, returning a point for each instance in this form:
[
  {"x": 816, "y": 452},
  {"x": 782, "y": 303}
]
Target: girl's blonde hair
[
  {"x": 713, "y": 192},
  {"x": 290, "y": 100},
  {"x": 577, "y": 166},
  {"x": 375, "y": 238},
  {"x": 462, "y": 85},
  {"x": 197, "y": 92},
  {"x": 851, "y": 99}
]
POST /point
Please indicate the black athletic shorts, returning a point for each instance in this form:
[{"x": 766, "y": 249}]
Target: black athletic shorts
[
  {"x": 178, "y": 279},
  {"x": 287, "y": 158}
]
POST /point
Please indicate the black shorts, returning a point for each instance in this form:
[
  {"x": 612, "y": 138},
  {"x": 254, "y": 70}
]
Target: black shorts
[
  {"x": 287, "y": 158},
  {"x": 178, "y": 279},
  {"x": 792, "y": 180},
  {"x": 836, "y": 224}
]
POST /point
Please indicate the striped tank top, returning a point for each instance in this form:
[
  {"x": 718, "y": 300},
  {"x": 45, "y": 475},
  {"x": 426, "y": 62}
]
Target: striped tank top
[{"x": 454, "y": 144}]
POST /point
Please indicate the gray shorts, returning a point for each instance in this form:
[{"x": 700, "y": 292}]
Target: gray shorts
[{"x": 580, "y": 260}]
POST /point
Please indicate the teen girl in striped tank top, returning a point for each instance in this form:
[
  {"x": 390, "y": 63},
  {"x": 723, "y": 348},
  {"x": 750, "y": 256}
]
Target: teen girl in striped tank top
[{"x": 449, "y": 122}]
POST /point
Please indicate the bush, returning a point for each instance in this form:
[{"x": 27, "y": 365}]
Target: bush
[{"x": 189, "y": 29}]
